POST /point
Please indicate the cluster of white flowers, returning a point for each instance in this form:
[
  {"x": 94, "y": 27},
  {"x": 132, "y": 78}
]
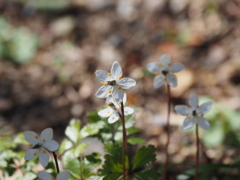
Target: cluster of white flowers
[
  {"x": 193, "y": 112},
  {"x": 112, "y": 89}
]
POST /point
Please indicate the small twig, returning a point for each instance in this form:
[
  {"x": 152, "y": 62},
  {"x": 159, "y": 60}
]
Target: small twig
[
  {"x": 56, "y": 162},
  {"x": 197, "y": 154},
  {"x": 168, "y": 133}
]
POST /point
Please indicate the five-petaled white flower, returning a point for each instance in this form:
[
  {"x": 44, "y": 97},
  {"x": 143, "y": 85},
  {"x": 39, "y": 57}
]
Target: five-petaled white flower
[
  {"x": 113, "y": 83},
  {"x": 60, "y": 176},
  {"x": 113, "y": 110},
  {"x": 40, "y": 145},
  {"x": 164, "y": 71},
  {"x": 194, "y": 113}
]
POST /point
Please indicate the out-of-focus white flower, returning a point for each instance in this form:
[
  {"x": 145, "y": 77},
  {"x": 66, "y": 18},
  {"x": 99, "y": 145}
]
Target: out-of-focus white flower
[
  {"x": 113, "y": 110},
  {"x": 164, "y": 71},
  {"x": 40, "y": 145},
  {"x": 113, "y": 83},
  {"x": 60, "y": 176},
  {"x": 194, "y": 113}
]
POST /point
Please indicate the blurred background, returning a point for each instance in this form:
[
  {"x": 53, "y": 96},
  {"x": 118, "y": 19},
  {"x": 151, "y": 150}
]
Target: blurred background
[{"x": 50, "y": 50}]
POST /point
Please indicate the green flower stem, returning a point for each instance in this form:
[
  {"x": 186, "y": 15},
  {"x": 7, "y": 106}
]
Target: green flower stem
[
  {"x": 168, "y": 134},
  {"x": 56, "y": 162},
  {"x": 197, "y": 154},
  {"x": 124, "y": 146}
]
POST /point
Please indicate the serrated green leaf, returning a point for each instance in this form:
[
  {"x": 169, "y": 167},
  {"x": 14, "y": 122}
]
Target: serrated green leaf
[
  {"x": 79, "y": 149},
  {"x": 73, "y": 130},
  {"x": 65, "y": 145},
  {"x": 91, "y": 129},
  {"x": 112, "y": 167},
  {"x": 144, "y": 156},
  {"x": 149, "y": 174},
  {"x": 135, "y": 140}
]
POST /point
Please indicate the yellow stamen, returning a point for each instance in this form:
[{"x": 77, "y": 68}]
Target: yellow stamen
[
  {"x": 53, "y": 177},
  {"x": 108, "y": 112},
  {"x": 189, "y": 106},
  {"x": 186, "y": 115},
  {"x": 165, "y": 79},
  {"x": 110, "y": 92},
  {"x": 43, "y": 140},
  {"x": 197, "y": 106},
  {"x": 30, "y": 145},
  {"x": 201, "y": 115},
  {"x": 35, "y": 154},
  {"x": 120, "y": 78},
  {"x": 195, "y": 121},
  {"x": 119, "y": 88},
  {"x": 107, "y": 105},
  {"x": 44, "y": 151},
  {"x": 160, "y": 65},
  {"x": 110, "y": 74},
  {"x": 157, "y": 73},
  {"x": 116, "y": 110},
  {"x": 169, "y": 64},
  {"x": 103, "y": 83},
  {"x": 36, "y": 137}
]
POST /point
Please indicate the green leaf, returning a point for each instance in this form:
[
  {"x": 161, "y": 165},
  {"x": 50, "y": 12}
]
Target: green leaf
[
  {"x": 112, "y": 167},
  {"x": 93, "y": 117},
  {"x": 132, "y": 130},
  {"x": 92, "y": 129},
  {"x": 135, "y": 140},
  {"x": 65, "y": 145},
  {"x": 72, "y": 130},
  {"x": 149, "y": 174},
  {"x": 144, "y": 156}
]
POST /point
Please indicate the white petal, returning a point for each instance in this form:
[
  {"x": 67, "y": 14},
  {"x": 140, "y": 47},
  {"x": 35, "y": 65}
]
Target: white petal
[
  {"x": 43, "y": 156},
  {"x": 176, "y": 67},
  {"x": 193, "y": 100},
  {"x": 171, "y": 79},
  {"x": 113, "y": 118},
  {"x": 128, "y": 111},
  {"x": 187, "y": 123},
  {"x": 183, "y": 110},
  {"x": 103, "y": 91},
  {"x": 44, "y": 176},
  {"x": 102, "y": 75},
  {"x": 32, "y": 137},
  {"x": 165, "y": 60},
  {"x": 202, "y": 122},
  {"x": 158, "y": 81},
  {"x": 204, "y": 108},
  {"x": 105, "y": 112},
  {"x": 31, "y": 153},
  {"x": 46, "y": 134},
  {"x": 117, "y": 94},
  {"x": 126, "y": 83},
  {"x": 153, "y": 68},
  {"x": 116, "y": 70},
  {"x": 51, "y": 145},
  {"x": 63, "y": 175}
]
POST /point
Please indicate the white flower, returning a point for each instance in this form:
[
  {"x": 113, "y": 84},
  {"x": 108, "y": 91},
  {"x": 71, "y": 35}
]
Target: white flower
[
  {"x": 60, "y": 176},
  {"x": 194, "y": 113},
  {"x": 40, "y": 145},
  {"x": 164, "y": 71},
  {"x": 113, "y": 109},
  {"x": 113, "y": 83}
]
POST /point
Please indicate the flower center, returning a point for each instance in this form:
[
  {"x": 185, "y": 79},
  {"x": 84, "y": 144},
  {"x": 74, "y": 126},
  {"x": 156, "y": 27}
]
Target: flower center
[
  {"x": 112, "y": 83},
  {"x": 194, "y": 113},
  {"x": 164, "y": 72},
  {"x": 37, "y": 146}
]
